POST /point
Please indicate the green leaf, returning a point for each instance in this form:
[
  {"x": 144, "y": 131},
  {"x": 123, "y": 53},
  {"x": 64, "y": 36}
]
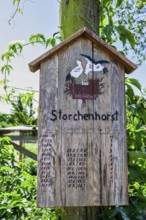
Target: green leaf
[
  {"x": 53, "y": 42},
  {"x": 110, "y": 19},
  {"x": 135, "y": 155},
  {"x": 3, "y": 56},
  {"x": 41, "y": 37},
  {"x": 143, "y": 199},
  {"x": 134, "y": 82},
  {"x": 119, "y": 2},
  {"x": 16, "y": 48},
  {"x": 20, "y": 11},
  {"x": 6, "y": 68},
  {"x": 5, "y": 141},
  {"x": 135, "y": 122},
  {"x": 108, "y": 31},
  {"x": 106, "y": 2},
  {"x": 6, "y": 168},
  {"x": 103, "y": 20},
  {"x": 125, "y": 34},
  {"x": 142, "y": 113},
  {"x": 32, "y": 39},
  {"x": 130, "y": 92},
  {"x": 37, "y": 38},
  {"x": 136, "y": 185},
  {"x": 16, "y": 2},
  {"x": 15, "y": 203},
  {"x": 3, "y": 207},
  {"x": 7, "y": 56},
  {"x": 48, "y": 41}
]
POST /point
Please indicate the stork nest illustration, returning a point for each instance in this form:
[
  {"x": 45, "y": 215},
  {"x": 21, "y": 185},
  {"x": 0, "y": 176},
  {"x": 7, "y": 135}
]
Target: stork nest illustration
[{"x": 92, "y": 90}]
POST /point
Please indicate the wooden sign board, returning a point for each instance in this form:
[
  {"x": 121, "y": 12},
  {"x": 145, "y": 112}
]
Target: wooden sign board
[{"x": 82, "y": 159}]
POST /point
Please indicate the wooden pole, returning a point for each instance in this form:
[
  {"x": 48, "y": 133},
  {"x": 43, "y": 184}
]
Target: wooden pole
[
  {"x": 81, "y": 213},
  {"x": 74, "y": 15},
  {"x": 20, "y": 144}
]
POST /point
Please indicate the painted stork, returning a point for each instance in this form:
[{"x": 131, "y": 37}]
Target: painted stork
[
  {"x": 76, "y": 72},
  {"x": 93, "y": 65}
]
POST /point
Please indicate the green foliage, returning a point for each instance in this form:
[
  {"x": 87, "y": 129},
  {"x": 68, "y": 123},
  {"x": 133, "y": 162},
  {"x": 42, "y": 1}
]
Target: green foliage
[
  {"x": 16, "y": 49},
  {"x": 126, "y": 35},
  {"x": 18, "y": 185},
  {"x": 116, "y": 22},
  {"x": 136, "y": 141},
  {"x": 40, "y": 38},
  {"x": 16, "y": 2},
  {"x": 141, "y": 4},
  {"x": 18, "y": 9},
  {"x": 136, "y": 137},
  {"x": 23, "y": 111},
  {"x": 18, "y": 189},
  {"x": 6, "y": 68},
  {"x": 124, "y": 20},
  {"x": 131, "y": 14},
  {"x": 37, "y": 38},
  {"x": 29, "y": 164}
]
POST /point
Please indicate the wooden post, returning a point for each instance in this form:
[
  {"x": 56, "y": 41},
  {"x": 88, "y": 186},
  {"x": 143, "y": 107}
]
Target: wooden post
[
  {"x": 20, "y": 144},
  {"x": 81, "y": 213},
  {"x": 75, "y": 14},
  {"x": 82, "y": 158}
]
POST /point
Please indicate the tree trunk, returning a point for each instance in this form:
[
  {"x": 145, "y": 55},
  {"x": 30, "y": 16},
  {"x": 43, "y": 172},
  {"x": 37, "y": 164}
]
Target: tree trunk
[
  {"x": 74, "y": 15},
  {"x": 81, "y": 213}
]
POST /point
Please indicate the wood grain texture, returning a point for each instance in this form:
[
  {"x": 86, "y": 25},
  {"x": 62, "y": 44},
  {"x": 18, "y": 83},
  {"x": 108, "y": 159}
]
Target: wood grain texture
[
  {"x": 47, "y": 135},
  {"x": 82, "y": 159}
]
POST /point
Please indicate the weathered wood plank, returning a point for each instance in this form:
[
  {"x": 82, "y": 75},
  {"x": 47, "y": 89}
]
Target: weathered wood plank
[
  {"x": 22, "y": 138},
  {"x": 82, "y": 134},
  {"x": 73, "y": 137},
  {"x": 24, "y": 151},
  {"x": 112, "y": 134},
  {"x": 47, "y": 134}
]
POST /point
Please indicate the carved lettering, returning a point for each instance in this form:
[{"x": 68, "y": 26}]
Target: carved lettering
[
  {"x": 46, "y": 161},
  {"x": 76, "y": 167},
  {"x": 86, "y": 117}
]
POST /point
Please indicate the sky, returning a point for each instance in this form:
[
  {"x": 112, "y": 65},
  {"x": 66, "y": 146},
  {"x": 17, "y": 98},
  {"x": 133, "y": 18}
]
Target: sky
[{"x": 39, "y": 16}]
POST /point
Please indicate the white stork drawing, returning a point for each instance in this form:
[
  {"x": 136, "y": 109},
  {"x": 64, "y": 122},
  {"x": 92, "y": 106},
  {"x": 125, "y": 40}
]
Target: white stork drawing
[
  {"x": 76, "y": 72},
  {"x": 93, "y": 65}
]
